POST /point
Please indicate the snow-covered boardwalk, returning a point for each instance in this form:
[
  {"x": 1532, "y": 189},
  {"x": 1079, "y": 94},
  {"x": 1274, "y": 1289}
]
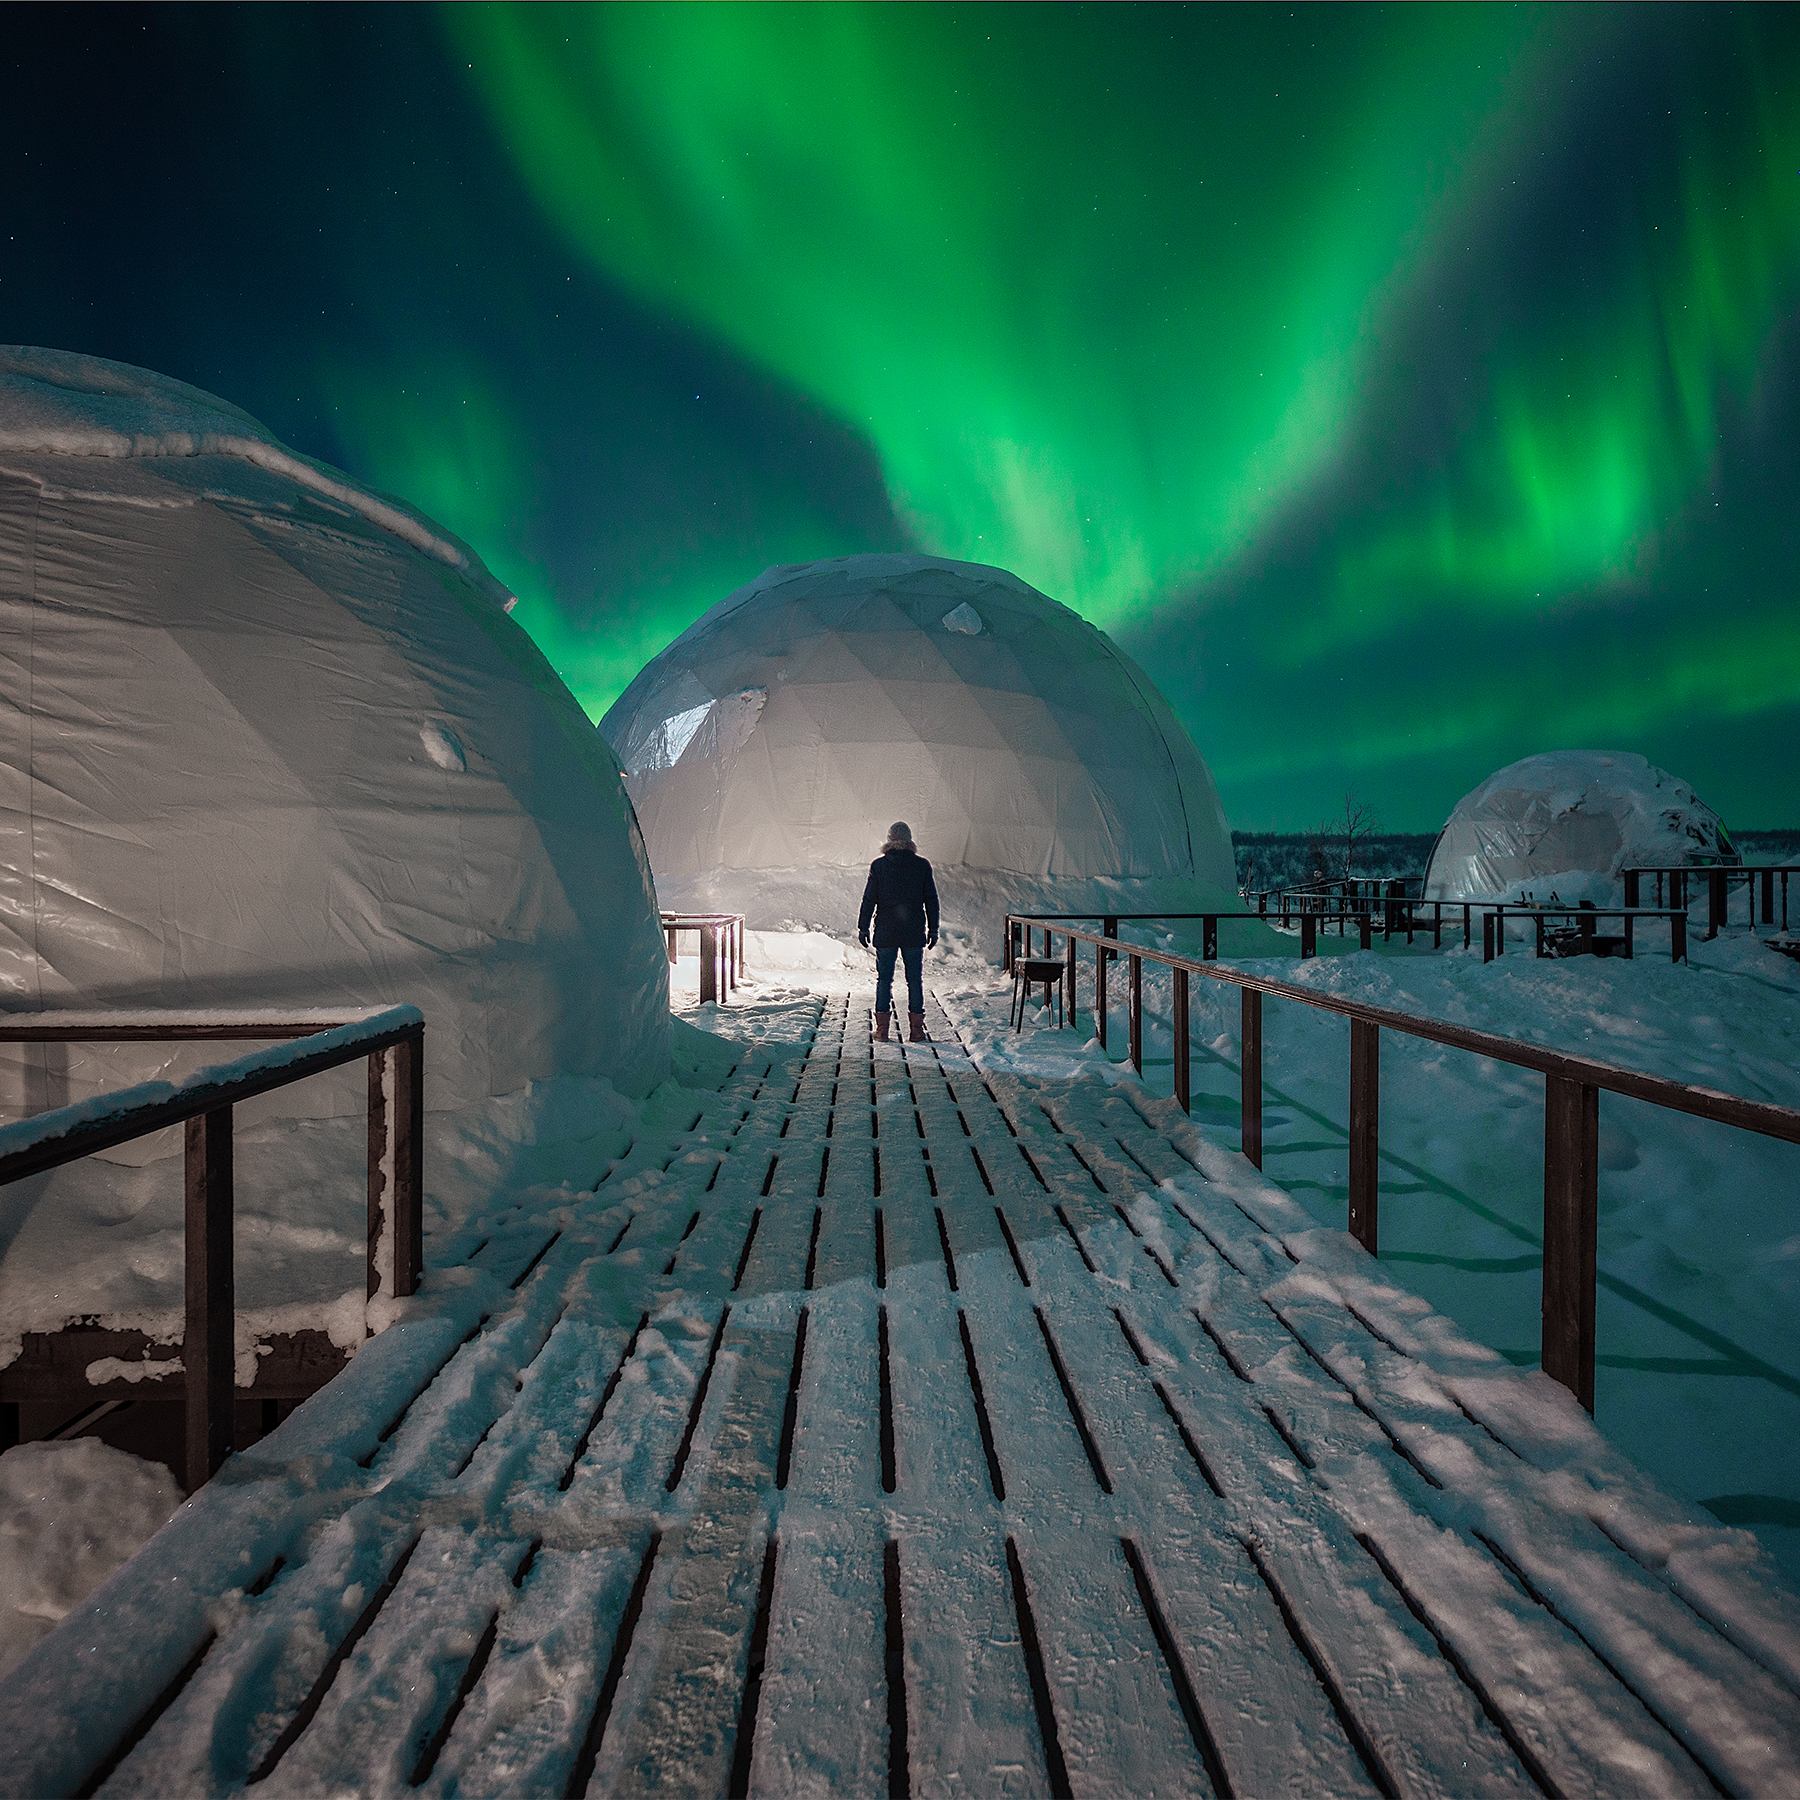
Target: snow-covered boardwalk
[{"x": 896, "y": 1426}]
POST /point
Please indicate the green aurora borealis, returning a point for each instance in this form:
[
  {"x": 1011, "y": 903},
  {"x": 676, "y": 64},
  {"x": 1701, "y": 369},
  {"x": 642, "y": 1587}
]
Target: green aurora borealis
[{"x": 1408, "y": 389}]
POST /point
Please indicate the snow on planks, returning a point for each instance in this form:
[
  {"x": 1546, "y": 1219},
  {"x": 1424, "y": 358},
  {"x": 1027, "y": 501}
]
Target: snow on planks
[{"x": 891, "y": 1426}]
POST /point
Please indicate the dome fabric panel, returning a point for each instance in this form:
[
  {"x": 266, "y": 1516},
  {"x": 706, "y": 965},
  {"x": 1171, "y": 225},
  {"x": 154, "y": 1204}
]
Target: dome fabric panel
[
  {"x": 1567, "y": 822},
  {"x": 263, "y": 746},
  {"x": 1021, "y": 745}
]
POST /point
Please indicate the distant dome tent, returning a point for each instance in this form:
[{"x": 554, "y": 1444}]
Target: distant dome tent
[
  {"x": 272, "y": 740},
  {"x": 770, "y": 745},
  {"x": 1567, "y": 823}
]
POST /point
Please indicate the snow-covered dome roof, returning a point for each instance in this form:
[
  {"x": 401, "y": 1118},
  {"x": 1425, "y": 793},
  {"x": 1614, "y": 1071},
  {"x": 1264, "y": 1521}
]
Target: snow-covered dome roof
[
  {"x": 271, "y": 739},
  {"x": 1568, "y": 822},
  {"x": 772, "y": 743}
]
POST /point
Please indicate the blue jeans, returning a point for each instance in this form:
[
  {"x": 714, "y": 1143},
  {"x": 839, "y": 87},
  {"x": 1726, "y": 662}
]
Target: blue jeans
[{"x": 915, "y": 980}]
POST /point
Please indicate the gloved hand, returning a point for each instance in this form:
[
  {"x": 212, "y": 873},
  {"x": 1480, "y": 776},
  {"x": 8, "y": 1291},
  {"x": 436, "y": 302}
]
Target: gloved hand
[
  {"x": 931, "y": 942},
  {"x": 862, "y": 937}
]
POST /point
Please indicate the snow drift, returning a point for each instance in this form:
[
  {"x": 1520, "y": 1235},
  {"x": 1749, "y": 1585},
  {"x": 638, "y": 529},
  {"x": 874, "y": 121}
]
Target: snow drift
[
  {"x": 768, "y": 748},
  {"x": 1567, "y": 822}
]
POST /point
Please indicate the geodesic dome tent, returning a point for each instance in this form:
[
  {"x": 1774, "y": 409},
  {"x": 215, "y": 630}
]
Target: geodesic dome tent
[
  {"x": 1567, "y": 822},
  {"x": 272, "y": 740},
  {"x": 768, "y": 748}
]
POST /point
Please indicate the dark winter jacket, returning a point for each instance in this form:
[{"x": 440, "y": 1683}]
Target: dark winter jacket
[{"x": 902, "y": 899}]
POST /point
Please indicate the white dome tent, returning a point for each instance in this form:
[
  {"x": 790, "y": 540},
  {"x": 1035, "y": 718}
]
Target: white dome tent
[
  {"x": 770, "y": 745},
  {"x": 272, "y": 741},
  {"x": 1566, "y": 823}
]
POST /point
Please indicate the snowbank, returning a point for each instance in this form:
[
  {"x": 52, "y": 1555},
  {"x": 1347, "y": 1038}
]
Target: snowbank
[{"x": 70, "y": 1513}]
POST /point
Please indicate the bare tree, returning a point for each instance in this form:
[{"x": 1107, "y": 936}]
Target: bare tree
[{"x": 1337, "y": 839}]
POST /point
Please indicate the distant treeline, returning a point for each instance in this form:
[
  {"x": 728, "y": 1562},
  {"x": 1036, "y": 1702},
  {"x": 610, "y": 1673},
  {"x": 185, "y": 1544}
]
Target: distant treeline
[{"x": 1273, "y": 859}]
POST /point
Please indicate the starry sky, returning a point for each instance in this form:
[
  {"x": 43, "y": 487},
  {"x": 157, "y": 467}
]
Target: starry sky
[{"x": 1409, "y": 389}]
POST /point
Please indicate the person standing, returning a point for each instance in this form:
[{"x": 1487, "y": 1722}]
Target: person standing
[{"x": 901, "y": 898}]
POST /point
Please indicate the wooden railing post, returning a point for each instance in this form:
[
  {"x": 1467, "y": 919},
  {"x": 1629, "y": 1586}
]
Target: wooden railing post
[
  {"x": 1571, "y": 1231},
  {"x": 671, "y": 934},
  {"x": 1250, "y": 1076},
  {"x": 1365, "y": 1130},
  {"x": 1631, "y": 887},
  {"x": 397, "y": 1168},
  {"x": 409, "y": 1164},
  {"x": 1309, "y": 935},
  {"x": 1181, "y": 1038},
  {"x": 1768, "y": 896},
  {"x": 709, "y": 963},
  {"x": 208, "y": 1350},
  {"x": 1069, "y": 978},
  {"x": 1678, "y": 938},
  {"x": 1137, "y": 1012},
  {"x": 1716, "y": 906},
  {"x": 1100, "y": 994}
]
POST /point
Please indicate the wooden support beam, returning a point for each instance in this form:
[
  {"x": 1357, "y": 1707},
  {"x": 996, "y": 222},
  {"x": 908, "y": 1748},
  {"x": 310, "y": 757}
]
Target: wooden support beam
[
  {"x": 1136, "y": 1010},
  {"x": 396, "y": 1168},
  {"x": 1571, "y": 1232},
  {"x": 1069, "y": 980},
  {"x": 1182, "y": 1096},
  {"x": 208, "y": 1352},
  {"x": 1250, "y": 1075},
  {"x": 709, "y": 963},
  {"x": 1365, "y": 1130},
  {"x": 1100, "y": 956}
]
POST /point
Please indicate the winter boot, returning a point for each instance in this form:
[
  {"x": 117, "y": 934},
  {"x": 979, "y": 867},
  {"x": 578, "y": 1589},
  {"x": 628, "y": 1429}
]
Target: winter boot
[
  {"x": 918, "y": 1028},
  {"x": 881, "y": 1027}
]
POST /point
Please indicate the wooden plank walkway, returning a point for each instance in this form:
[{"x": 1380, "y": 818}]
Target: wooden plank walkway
[{"x": 896, "y": 1427}]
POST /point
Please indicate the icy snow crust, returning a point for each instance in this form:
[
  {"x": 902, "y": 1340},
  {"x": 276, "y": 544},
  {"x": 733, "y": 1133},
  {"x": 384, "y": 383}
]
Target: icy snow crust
[
  {"x": 1228, "y": 1465},
  {"x": 272, "y": 742},
  {"x": 770, "y": 746},
  {"x": 1566, "y": 823}
]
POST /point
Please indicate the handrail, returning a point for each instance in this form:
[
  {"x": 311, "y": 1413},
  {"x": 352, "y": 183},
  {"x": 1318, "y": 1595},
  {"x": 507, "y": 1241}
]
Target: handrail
[
  {"x": 1572, "y": 1090},
  {"x": 1719, "y": 877},
  {"x": 392, "y": 1041},
  {"x": 721, "y": 959}
]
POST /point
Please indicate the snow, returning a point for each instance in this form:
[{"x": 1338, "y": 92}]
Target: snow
[
  {"x": 1565, "y": 823},
  {"x": 70, "y": 1514},
  {"x": 579, "y": 1422}
]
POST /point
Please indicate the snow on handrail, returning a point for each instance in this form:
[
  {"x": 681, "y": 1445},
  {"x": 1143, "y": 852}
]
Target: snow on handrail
[{"x": 134, "y": 1111}]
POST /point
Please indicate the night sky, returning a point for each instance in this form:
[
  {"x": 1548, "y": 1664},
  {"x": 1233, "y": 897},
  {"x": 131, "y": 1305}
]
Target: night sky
[{"x": 1410, "y": 390}]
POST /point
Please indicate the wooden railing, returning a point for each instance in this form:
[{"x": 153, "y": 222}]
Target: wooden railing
[
  {"x": 1719, "y": 878},
  {"x": 721, "y": 949},
  {"x": 1572, "y": 1088},
  {"x": 393, "y": 1041}
]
